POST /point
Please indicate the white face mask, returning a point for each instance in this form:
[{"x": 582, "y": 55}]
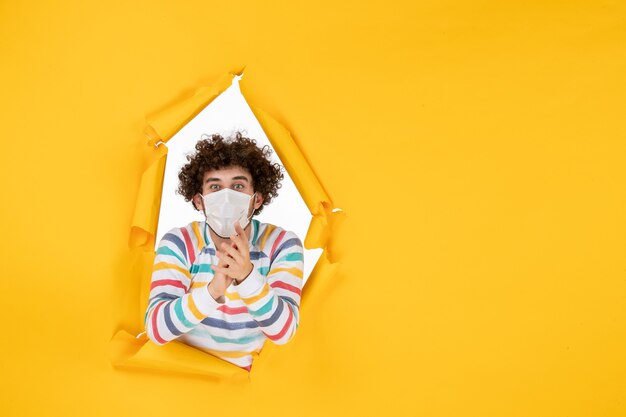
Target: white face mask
[{"x": 224, "y": 207}]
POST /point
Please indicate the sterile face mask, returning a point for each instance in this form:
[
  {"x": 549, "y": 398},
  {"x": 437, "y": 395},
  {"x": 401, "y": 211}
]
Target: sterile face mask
[{"x": 222, "y": 208}]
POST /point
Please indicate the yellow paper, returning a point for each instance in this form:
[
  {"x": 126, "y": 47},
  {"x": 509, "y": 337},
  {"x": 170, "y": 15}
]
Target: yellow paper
[
  {"x": 146, "y": 216},
  {"x": 128, "y": 352},
  {"x": 477, "y": 147}
]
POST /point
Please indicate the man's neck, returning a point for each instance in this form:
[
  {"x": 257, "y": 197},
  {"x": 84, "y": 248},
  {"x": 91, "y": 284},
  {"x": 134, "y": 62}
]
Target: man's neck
[{"x": 219, "y": 240}]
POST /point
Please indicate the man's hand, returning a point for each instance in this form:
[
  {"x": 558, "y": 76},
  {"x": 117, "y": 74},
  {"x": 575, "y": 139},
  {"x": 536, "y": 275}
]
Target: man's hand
[
  {"x": 219, "y": 283},
  {"x": 235, "y": 258}
]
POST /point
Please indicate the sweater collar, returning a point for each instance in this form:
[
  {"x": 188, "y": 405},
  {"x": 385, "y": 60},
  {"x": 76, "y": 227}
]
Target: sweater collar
[{"x": 252, "y": 239}]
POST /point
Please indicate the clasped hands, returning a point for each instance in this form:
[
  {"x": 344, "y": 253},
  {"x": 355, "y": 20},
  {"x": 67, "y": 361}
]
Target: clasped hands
[{"x": 234, "y": 263}]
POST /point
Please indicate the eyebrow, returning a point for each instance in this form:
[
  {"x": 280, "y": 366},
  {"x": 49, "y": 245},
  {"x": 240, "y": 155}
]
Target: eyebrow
[{"x": 238, "y": 177}]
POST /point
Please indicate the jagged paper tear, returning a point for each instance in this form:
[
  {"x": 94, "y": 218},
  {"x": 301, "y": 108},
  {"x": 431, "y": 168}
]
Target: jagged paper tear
[{"x": 128, "y": 351}]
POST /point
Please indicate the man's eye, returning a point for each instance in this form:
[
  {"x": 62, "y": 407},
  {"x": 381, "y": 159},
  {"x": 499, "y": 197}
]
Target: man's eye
[
  {"x": 214, "y": 187},
  {"x": 238, "y": 186}
]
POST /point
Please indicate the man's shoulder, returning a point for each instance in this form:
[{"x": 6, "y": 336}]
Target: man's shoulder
[
  {"x": 273, "y": 229},
  {"x": 189, "y": 232},
  {"x": 189, "y": 227},
  {"x": 269, "y": 235}
]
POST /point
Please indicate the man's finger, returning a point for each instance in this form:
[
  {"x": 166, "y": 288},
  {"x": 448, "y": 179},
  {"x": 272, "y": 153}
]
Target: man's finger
[
  {"x": 242, "y": 238},
  {"x": 240, "y": 230},
  {"x": 225, "y": 260},
  {"x": 220, "y": 269},
  {"x": 236, "y": 242},
  {"x": 232, "y": 252}
]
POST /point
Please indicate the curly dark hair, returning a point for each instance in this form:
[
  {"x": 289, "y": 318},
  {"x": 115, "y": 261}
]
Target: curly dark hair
[{"x": 217, "y": 153}]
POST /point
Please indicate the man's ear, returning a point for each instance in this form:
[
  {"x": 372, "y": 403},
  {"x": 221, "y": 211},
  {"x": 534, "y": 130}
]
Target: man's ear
[
  {"x": 197, "y": 202},
  {"x": 258, "y": 200}
]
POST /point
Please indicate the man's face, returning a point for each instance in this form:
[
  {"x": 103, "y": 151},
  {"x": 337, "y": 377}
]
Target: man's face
[{"x": 236, "y": 178}]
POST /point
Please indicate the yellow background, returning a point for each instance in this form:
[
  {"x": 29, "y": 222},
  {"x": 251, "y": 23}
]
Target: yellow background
[{"x": 477, "y": 148}]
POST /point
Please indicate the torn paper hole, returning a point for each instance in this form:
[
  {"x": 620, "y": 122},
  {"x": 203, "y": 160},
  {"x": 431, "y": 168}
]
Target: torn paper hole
[
  {"x": 229, "y": 112},
  {"x": 128, "y": 351}
]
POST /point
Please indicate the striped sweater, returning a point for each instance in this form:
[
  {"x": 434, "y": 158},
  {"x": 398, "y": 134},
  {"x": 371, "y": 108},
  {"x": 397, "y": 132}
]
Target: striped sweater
[{"x": 264, "y": 306}]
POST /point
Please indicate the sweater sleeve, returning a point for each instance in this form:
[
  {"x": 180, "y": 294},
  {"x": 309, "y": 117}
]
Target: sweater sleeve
[
  {"x": 173, "y": 309},
  {"x": 274, "y": 301}
]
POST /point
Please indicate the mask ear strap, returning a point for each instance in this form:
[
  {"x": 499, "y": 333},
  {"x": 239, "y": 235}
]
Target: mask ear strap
[
  {"x": 202, "y": 199},
  {"x": 253, "y": 209}
]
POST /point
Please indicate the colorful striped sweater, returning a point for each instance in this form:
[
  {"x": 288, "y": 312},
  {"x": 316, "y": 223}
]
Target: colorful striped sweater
[{"x": 264, "y": 306}]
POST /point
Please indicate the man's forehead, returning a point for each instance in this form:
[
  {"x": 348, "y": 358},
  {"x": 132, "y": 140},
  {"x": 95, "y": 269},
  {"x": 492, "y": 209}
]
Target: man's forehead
[{"x": 227, "y": 173}]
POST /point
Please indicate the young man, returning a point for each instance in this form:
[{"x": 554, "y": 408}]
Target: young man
[{"x": 227, "y": 284}]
